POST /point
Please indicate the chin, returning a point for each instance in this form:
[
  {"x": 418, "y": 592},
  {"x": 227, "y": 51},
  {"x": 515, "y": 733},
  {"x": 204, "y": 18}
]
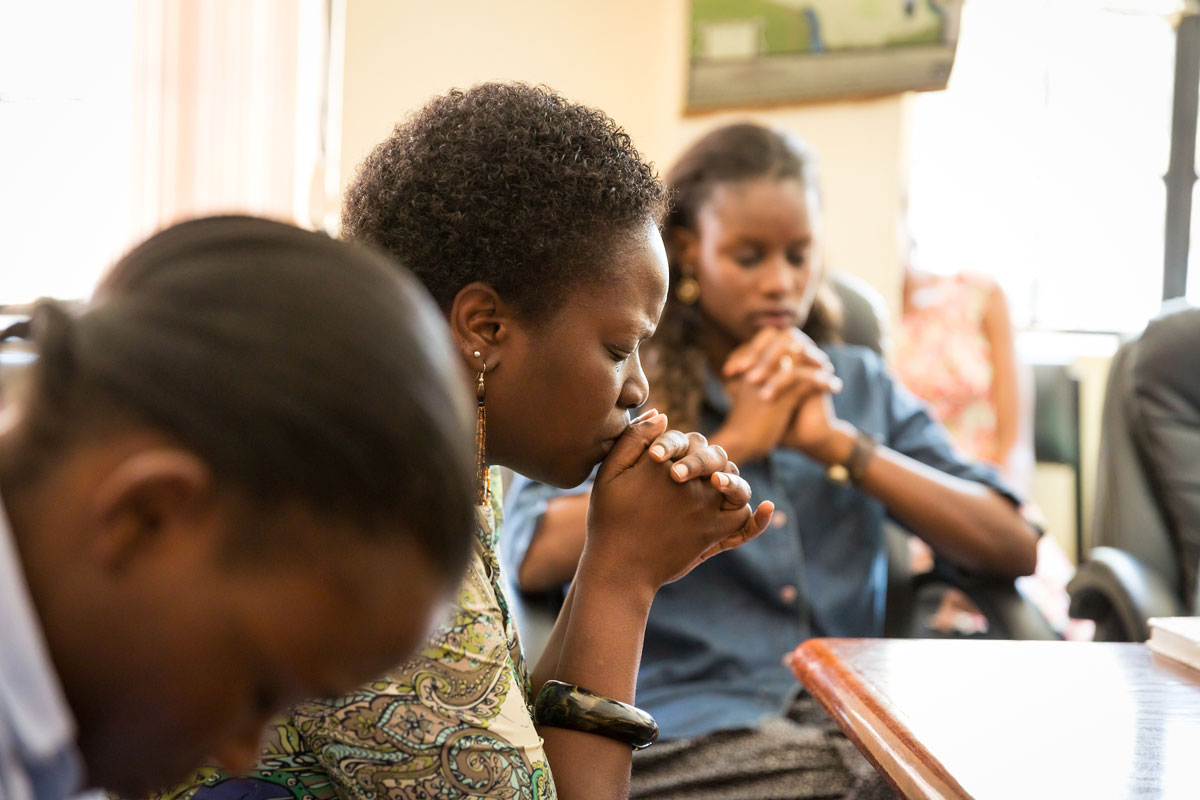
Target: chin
[
  {"x": 561, "y": 475},
  {"x": 579, "y": 477},
  {"x": 569, "y": 479}
]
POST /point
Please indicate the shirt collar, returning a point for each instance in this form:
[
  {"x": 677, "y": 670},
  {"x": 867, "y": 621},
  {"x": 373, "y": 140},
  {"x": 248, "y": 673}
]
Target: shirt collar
[{"x": 31, "y": 696}]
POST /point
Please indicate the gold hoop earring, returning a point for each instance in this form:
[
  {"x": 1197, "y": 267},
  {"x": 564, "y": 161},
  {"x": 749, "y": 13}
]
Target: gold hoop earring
[
  {"x": 687, "y": 291},
  {"x": 483, "y": 478}
]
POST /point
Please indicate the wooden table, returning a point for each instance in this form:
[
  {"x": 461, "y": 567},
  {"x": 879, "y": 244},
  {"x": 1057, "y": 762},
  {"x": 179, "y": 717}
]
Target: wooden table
[{"x": 994, "y": 719}]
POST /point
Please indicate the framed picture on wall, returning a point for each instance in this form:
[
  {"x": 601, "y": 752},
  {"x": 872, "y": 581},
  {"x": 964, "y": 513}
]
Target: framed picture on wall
[{"x": 754, "y": 52}]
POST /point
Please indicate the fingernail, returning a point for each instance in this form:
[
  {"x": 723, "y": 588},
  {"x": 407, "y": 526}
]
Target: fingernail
[
  {"x": 658, "y": 451},
  {"x": 645, "y": 415},
  {"x": 679, "y": 471},
  {"x": 723, "y": 479}
]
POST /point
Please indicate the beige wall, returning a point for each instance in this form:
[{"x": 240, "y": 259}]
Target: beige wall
[{"x": 628, "y": 58}]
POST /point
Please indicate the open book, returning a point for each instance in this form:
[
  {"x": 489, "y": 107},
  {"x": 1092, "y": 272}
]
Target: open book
[{"x": 1177, "y": 638}]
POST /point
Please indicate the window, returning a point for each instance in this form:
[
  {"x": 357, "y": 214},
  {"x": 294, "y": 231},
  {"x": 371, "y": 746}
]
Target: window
[
  {"x": 65, "y": 144},
  {"x": 1042, "y": 163},
  {"x": 121, "y": 117}
]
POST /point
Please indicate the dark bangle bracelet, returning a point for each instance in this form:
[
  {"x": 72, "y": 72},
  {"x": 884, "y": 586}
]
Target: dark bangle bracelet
[
  {"x": 561, "y": 705},
  {"x": 860, "y": 455},
  {"x": 855, "y": 466}
]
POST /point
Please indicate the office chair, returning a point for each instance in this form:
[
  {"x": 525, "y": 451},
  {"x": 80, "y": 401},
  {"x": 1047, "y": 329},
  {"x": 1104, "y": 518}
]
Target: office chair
[
  {"x": 1056, "y": 428},
  {"x": 1138, "y": 566}
]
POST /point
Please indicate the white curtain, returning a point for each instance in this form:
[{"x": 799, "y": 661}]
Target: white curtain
[
  {"x": 229, "y": 109},
  {"x": 121, "y": 117}
]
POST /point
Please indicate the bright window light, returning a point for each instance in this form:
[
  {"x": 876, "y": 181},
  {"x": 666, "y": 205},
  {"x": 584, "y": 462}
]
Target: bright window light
[{"x": 1042, "y": 163}]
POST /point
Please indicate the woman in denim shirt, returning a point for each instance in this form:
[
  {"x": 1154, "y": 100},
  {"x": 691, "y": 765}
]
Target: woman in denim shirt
[{"x": 822, "y": 430}]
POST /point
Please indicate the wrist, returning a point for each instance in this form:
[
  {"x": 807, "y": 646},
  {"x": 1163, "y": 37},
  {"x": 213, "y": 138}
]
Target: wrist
[
  {"x": 561, "y": 705},
  {"x": 616, "y": 581},
  {"x": 836, "y": 446},
  {"x": 735, "y": 446}
]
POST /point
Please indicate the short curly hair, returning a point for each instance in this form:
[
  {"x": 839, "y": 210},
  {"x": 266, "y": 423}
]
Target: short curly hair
[{"x": 505, "y": 183}]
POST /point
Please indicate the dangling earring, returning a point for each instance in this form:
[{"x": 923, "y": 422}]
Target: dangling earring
[
  {"x": 687, "y": 291},
  {"x": 483, "y": 478}
]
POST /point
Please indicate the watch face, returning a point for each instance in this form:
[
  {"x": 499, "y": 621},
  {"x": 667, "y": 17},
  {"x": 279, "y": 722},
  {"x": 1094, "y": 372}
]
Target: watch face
[{"x": 838, "y": 474}]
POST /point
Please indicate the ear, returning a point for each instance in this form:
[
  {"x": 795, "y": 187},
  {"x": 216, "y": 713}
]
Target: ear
[
  {"x": 684, "y": 249},
  {"x": 146, "y": 495},
  {"x": 482, "y": 322}
]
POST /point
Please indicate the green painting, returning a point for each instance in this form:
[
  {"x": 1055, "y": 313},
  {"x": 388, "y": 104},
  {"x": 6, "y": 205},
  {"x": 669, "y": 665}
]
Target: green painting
[{"x": 746, "y": 51}]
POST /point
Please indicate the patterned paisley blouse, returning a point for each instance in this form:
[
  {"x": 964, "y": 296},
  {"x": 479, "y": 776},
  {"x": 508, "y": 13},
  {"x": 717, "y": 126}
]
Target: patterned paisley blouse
[{"x": 453, "y": 721}]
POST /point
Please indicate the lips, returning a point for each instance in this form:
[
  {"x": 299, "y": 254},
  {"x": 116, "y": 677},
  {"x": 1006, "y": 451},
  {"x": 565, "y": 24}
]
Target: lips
[
  {"x": 774, "y": 318},
  {"x": 607, "y": 444},
  {"x": 611, "y": 440}
]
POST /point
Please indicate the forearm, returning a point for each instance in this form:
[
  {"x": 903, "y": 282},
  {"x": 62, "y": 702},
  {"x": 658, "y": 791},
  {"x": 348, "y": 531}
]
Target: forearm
[
  {"x": 600, "y": 650},
  {"x": 965, "y": 521},
  {"x": 1012, "y": 397},
  {"x": 1014, "y": 457},
  {"x": 1006, "y": 438},
  {"x": 1014, "y": 432}
]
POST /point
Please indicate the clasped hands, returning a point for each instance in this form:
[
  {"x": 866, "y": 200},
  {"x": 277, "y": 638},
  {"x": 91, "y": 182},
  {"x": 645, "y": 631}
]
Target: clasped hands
[
  {"x": 781, "y": 386},
  {"x": 663, "y": 502}
]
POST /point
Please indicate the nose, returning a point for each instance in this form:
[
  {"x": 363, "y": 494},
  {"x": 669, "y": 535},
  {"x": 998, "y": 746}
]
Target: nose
[
  {"x": 240, "y": 753},
  {"x": 778, "y": 277},
  {"x": 636, "y": 389}
]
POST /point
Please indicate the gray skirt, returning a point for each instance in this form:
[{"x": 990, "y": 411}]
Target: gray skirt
[{"x": 803, "y": 755}]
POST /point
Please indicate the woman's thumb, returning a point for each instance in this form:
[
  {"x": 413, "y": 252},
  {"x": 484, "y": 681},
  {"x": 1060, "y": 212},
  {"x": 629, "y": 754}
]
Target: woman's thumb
[{"x": 632, "y": 445}]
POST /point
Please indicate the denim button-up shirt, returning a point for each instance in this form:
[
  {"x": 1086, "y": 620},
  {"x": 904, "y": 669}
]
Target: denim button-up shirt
[{"x": 715, "y": 639}]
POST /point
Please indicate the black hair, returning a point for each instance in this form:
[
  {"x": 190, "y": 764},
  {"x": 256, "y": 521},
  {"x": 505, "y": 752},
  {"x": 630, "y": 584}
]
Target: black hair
[
  {"x": 730, "y": 154},
  {"x": 299, "y": 368},
  {"x": 505, "y": 183}
]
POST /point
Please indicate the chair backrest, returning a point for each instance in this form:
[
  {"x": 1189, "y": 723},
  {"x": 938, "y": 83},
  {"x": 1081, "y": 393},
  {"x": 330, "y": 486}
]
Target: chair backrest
[
  {"x": 1127, "y": 513},
  {"x": 864, "y": 314},
  {"x": 1056, "y": 414},
  {"x": 1166, "y": 390},
  {"x": 1056, "y": 428}
]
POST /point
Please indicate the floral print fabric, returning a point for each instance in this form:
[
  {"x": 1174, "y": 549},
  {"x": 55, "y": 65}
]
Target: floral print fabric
[{"x": 944, "y": 357}]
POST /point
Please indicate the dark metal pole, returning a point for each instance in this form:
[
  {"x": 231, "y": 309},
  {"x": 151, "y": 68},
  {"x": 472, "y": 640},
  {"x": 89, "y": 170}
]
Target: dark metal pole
[{"x": 1181, "y": 173}]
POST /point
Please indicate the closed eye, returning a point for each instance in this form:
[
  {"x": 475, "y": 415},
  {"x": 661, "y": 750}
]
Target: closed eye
[
  {"x": 748, "y": 256},
  {"x": 618, "y": 355}
]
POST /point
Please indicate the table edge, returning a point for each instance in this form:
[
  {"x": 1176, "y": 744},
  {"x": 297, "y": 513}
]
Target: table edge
[{"x": 873, "y": 726}]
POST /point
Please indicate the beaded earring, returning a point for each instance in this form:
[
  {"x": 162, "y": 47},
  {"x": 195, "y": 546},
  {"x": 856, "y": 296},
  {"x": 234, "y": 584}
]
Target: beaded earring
[
  {"x": 482, "y": 476},
  {"x": 687, "y": 290}
]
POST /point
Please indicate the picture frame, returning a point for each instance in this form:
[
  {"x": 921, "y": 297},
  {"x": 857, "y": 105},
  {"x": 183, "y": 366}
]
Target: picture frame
[{"x": 766, "y": 52}]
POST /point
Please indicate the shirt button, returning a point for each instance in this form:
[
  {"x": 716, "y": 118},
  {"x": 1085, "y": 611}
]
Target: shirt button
[
  {"x": 788, "y": 594},
  {"x": 779, "y": 519}
]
